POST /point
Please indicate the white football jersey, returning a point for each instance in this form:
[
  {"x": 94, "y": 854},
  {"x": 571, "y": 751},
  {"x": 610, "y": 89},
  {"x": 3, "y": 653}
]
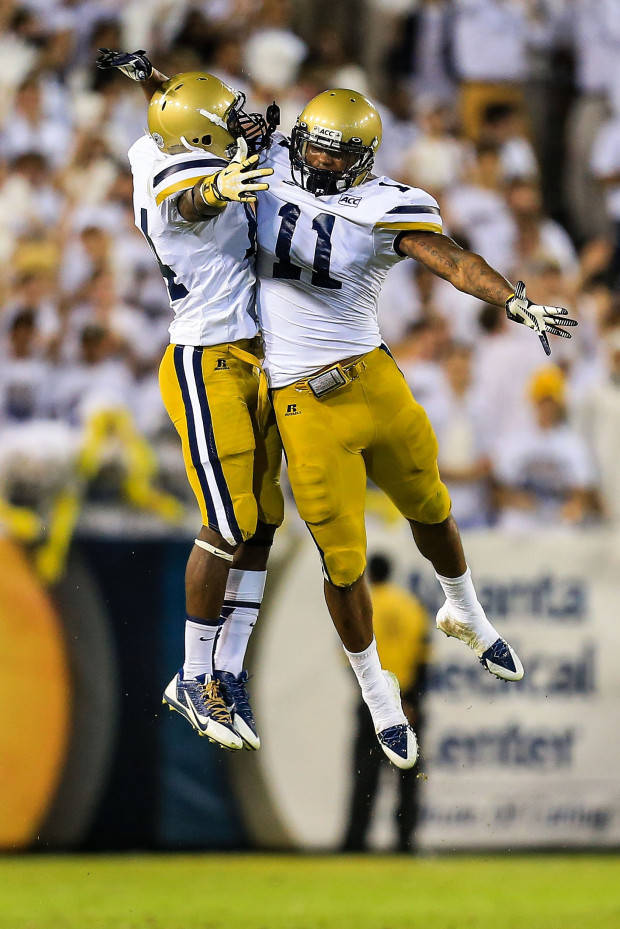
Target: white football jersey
[
  {"x": 321, "y": 264},
  {"x": 208, "y": 267}
]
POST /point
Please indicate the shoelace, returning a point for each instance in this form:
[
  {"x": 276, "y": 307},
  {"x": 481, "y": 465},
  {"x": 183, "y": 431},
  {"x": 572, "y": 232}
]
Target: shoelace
[{"x": 213, "y": 701}]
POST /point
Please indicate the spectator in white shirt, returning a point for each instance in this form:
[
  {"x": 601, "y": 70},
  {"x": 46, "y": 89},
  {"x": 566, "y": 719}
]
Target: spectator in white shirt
[
  {"x": 491, "y": 42},
  {"x": 532, "y": 238},
  {"x": 544, "y": 473},
  {"x": 504, "y": 361},
  {"x": 24, "y": 374},
  {"x": 436, "y": 159},
  {"x": 461, "y": 432},
  {"x": 475, "y": 211},
  {"x": 605, "y": 165},
  {"x": 29, "y": 129},
  {"x": 95, "y": 379},
  {"x": 418, "y": 358},
  {"x": 399, "y": 132},
  {"x": 599, "y": 420},
  {"x": 503, "y": 124},
  {"x": 423, "y": 54},
  {"x": 593, "y": 29}
]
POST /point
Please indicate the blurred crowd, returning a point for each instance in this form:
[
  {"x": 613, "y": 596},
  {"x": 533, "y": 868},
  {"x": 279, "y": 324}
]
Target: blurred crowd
[{"x": 508, "y": 111}]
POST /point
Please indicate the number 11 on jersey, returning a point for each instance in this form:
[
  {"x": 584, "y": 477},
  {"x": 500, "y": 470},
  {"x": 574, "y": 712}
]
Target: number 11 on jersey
[{"x": 323, "y": 225}]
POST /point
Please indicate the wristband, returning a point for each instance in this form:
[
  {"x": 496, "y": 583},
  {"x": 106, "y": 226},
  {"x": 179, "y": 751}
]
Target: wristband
[{"x": 210, "y": 194}]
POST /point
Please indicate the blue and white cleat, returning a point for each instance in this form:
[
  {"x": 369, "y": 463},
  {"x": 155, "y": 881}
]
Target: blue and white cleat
[
  {"x": 199, "y": 700},
  {"x": 235, "y": 694},
  {"x": 499, "y": 658},
  {"x": 398, "y": 742},
  {"x": 400, "y": 745},
  {"x": 502, "y": 661}
]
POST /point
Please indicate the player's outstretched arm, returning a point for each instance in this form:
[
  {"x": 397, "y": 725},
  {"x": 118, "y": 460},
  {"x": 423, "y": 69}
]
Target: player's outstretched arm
[
  {"x": 465, "y": 270},
  {"x": 470, "y": 273},
  {"x": 135, "y": 65}
]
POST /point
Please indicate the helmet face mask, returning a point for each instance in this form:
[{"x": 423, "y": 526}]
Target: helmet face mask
[
  {"x": 250, "y": 126},
  {"x": 344, "y": 124},
  {"x": 325, "y": 181}
]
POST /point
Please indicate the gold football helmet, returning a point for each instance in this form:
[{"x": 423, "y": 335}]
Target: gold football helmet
[
  {"x": 342, "y": 122},
  {"x": 195, "y": 111}
]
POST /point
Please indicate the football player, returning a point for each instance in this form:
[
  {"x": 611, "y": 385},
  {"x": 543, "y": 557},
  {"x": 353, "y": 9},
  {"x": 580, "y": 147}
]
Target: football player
[
  {"x": 195, "y": 181},
  {"x": 328, "y": 232}
]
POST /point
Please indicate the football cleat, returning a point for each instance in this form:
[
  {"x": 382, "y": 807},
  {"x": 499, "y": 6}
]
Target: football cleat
[
  {"x": 400, "y": 745},
  {"x": 399, "y": 742},
  {"x": 235, "y": 694},
  {"x": 199, "y": 700},
  {"x": 499, "y": 658},
  {"x": 502, "y": 661}
]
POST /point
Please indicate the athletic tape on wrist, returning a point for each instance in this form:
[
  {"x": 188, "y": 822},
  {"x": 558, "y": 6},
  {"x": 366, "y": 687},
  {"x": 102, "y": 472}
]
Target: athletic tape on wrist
[
  {"x": 213, "y": 550},
  {"x": 209, "y": 193}
]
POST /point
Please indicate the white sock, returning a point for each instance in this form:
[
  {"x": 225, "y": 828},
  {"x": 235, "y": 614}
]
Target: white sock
[
  {"x": 199, "y": 641},
  {"x": 462, "y": 598},
  {"x": 376, "y": 691},
  {"x": 244, "y": 595}
]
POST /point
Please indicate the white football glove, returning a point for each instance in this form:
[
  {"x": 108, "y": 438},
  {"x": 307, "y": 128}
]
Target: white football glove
[
  {"x": 135, "y": 65},
  {"x": 542, "y": 319},
  {"x": 237, "y": 181}
]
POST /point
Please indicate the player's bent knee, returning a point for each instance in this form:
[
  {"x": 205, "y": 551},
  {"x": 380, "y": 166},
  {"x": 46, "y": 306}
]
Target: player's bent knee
[
  {"x": 246, "y": 514},
  {"x": 271, "y": 507},
  {"x": 435, "y": 508},
  {"x": 344, "y": 566}
]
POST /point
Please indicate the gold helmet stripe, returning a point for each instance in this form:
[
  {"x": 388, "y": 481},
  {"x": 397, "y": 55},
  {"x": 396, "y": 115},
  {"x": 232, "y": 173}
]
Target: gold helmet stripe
[
  {"x": 214, "y": 119},
  {"x": 407, "y": 227}
]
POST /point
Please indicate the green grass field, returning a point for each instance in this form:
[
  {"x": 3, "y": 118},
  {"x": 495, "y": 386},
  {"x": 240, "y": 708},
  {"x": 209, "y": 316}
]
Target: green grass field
[{"x": 274, "y": 892}]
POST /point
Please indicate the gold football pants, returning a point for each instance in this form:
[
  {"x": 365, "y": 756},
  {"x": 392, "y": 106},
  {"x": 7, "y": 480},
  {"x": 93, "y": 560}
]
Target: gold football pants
[
  {"x": 232, "y": 464},
  {"x": 371, "y": 427}
]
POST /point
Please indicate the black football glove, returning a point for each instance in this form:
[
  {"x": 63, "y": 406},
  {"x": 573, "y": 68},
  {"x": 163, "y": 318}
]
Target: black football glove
[
  {"x": 542, "y": 319},
  {"x": 135, "y": 65}
]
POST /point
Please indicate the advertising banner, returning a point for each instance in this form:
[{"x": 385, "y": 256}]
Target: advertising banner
[{"x": 532, "y": 764}]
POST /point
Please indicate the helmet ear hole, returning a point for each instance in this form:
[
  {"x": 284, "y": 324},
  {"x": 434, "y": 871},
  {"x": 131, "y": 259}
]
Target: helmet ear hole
[{"x": 206, "y": 140}]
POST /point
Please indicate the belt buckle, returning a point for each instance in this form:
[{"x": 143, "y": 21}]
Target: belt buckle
[{"x": 328, "y": 381}]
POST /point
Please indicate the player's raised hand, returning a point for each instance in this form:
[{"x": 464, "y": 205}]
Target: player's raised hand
[
  {"x": 542, "y": 319},
  {"x": 135, "y": 65},
  {"x": 239, "y": 180}
]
